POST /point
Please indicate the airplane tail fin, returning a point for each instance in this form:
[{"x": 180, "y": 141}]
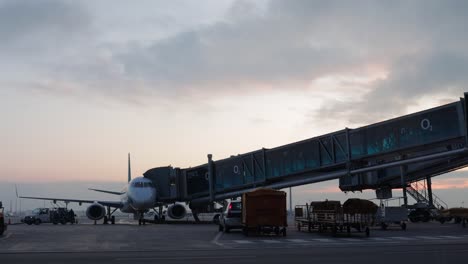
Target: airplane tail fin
[{"x": 129, "y": 169}]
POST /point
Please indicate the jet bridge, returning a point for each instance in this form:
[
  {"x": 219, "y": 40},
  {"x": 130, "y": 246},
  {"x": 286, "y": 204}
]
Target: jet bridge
[{"x": 381, "y": 156}]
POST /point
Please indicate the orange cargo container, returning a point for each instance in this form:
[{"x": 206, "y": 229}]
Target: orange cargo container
[{"x": 264, "y": 211}]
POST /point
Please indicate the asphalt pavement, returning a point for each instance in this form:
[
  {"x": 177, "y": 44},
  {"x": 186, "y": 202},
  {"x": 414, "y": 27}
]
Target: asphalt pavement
[{"x": 186, "y": 243}]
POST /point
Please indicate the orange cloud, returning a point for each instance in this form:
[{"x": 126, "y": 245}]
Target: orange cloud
[
  {"x": 450, "y": 183},
  {"x": 327, "y": 189}
]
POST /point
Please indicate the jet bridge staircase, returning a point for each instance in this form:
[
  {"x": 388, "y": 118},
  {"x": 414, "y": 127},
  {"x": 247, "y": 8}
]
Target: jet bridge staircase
[{"x": 421, "y": 192}]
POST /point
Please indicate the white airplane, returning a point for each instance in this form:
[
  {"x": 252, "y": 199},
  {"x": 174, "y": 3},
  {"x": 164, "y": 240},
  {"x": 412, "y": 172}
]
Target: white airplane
[{"x": 138, "y": 197}]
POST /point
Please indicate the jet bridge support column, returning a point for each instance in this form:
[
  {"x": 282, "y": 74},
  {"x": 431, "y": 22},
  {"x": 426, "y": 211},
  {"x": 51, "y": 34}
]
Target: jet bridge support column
[
  {"x": 211, "y": 178},
  {"x": 429, "y": 191},
  {"x": 403, "y": 184}
]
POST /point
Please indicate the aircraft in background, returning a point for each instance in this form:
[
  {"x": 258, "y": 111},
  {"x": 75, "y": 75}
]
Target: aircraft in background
[{"x": 138, "y": 197}]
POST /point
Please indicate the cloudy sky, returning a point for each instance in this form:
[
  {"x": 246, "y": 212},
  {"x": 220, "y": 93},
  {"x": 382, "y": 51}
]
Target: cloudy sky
[{"x": 82, "y": 83}]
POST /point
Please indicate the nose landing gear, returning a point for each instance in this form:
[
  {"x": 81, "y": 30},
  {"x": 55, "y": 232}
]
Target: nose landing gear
[
  {"x": 141, "y": 219},
  {"x": 109, "y": 217}
]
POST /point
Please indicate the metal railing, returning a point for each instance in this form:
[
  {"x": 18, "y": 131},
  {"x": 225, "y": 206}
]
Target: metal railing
[{"x": 418, "y": 190}]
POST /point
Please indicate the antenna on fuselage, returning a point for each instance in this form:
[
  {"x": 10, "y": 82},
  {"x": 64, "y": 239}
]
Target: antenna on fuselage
[{"x": 129, "y": 169}]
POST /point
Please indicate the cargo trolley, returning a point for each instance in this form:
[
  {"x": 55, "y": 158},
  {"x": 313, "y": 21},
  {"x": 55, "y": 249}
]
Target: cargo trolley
[{"x": 335, "y": 220}]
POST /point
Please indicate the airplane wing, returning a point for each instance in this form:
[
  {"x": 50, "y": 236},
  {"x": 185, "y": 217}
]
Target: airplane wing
[
  {"x": 113, "y": 204},
  {"x": 104, "y": 191}
]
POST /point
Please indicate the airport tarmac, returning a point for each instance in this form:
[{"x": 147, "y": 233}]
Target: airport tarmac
[{"x": 130, "y": 243}]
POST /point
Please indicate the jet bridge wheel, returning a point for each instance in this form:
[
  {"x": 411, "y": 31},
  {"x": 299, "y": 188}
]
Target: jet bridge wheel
[
  {"x": 113, "y": 219},
  {"x": 403, "y": 226}
]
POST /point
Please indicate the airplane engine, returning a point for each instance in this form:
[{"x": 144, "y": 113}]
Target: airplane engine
[
  {"x": 176, "y": 211},
  {"x": 96, "y": 211}
]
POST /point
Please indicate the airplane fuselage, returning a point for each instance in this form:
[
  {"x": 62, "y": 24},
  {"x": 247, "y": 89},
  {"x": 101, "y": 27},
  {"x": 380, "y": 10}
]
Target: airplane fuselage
[{"x": 139, "y": 196}]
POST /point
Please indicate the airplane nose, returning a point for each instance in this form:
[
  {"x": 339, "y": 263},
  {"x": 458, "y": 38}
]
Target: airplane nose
[
  {"x": 138, "y": 202},
  {"x": 142, "y": 200}
]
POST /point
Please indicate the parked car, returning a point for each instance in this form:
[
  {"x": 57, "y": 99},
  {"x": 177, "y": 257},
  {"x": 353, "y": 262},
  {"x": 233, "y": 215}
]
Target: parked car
[{"x": 231, "y": 216}]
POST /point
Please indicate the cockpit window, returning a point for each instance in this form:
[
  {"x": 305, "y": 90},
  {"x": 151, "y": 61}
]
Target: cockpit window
[
  {"x": 137, "y": 184},
  {"x": 142, "y": 184}
]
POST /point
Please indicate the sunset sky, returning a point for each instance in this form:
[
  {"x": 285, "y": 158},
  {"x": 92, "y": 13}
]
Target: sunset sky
[{"x": 82, "y": 83}]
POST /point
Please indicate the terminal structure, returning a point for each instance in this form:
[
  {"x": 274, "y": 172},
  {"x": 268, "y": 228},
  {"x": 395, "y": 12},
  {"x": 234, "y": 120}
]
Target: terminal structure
[{"x": 393, "y": 154}]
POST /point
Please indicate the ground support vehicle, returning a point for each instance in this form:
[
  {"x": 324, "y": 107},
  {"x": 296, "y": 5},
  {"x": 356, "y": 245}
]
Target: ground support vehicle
[
  {"x": 459, "y": 215},
  {"x": 50, "y": 215},
  {"x": 264, "y": 212},
  {"x": 62, "y": 216},
  {"x": 423, "y": 212},
  {"x": 389, "y": 216},
  {"x": 3, "y": 225},
  {"x": 331, "y": 216},
  {"x": 231, "y": 216}
]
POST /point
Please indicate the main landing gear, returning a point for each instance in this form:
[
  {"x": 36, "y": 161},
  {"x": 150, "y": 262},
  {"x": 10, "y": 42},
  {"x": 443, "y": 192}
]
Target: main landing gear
[{"x": 109, "y": 216}]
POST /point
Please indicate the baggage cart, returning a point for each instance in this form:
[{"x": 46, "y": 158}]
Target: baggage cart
[
  {"x": 460, "y": 215},
  {"x": 331, "y": 216}
]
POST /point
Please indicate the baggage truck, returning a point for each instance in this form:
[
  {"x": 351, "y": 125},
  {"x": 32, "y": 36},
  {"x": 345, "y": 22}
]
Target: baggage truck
[{"x": 264, "y": 211}]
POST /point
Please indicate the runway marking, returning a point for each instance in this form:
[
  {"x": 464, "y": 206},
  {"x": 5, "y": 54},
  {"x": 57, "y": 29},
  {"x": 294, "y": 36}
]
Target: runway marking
[
  {"x": 216, "y": 238},
  {"x": 184, "y": 258},
  {"x": 297, "y": 240},
  {"x": 351, "y": 239},
  {"x": 451, "y": 237},
  {"x": 271, "y": 241},
  {"x": 402, "y": 238},
  {"x": 379, "y": 239},
  {"x": 428, "y": 237},
  {"x": 243, "y": 241},
  {"x": 322, "y": 239},
  {"x": 6, "y": 236}
]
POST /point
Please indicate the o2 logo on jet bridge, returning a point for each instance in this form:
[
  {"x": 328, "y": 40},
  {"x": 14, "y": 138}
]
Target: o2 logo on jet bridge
[
  {"x": 426, "y": 124},
  {"x": 236, "y": 170}
]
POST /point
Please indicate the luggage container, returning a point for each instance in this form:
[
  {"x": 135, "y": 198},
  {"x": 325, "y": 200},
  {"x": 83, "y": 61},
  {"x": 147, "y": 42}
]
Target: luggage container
[
  {"x": 355, "y": 214},
  {"x": 264, "y": 212},
  {"x": 390, "y": 216}
]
